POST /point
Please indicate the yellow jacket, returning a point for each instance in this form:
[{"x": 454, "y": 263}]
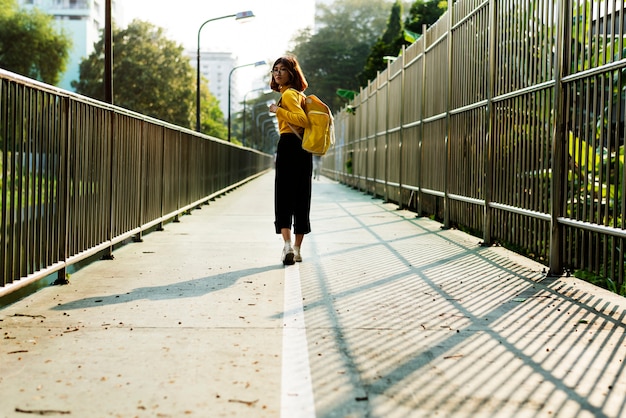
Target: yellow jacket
[{"x": 290, "y": 112}]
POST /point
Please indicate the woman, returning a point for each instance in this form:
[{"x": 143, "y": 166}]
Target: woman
[{"x": 292, "y": 193}]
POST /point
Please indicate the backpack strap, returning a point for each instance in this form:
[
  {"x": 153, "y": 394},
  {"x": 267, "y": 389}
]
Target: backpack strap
[{"x": 294, "y": 131}]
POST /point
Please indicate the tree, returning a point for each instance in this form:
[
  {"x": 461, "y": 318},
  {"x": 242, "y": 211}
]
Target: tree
[
  {"x": 422, "y": 12},
  {"x": 333, "y": 57},
  {"x": 7, "y": 8},
  {"x": 151, "y": 76},
  {"x": 386, "y": 45},
  {"x": 31, "y": 44},
  {"x": 211, "y": 115}
]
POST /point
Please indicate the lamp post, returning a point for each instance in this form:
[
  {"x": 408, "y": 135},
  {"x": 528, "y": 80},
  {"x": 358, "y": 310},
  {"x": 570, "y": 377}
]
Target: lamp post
[
  {"x": 258, "y": 127},
  {"x": 265, "y": 133},
  {"x": 256, "y": 64},
  {"x": 243, "y": 131},
  {"x": 265, "y": 122},
  {"x": 108, "y": 54},
  {"x": 238, "y": 16}
]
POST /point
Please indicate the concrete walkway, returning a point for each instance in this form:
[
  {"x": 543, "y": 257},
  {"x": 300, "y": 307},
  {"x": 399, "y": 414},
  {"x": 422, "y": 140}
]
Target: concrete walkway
[{"x": 387, "y": 316}]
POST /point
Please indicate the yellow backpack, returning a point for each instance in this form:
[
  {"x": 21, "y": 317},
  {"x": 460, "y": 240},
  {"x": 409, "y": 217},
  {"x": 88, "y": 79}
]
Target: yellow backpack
[{"x": 319, "y": 134}]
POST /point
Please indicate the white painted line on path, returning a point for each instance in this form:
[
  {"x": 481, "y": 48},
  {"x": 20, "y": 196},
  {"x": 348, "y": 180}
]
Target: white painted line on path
[{"x": 297, "y": 391}]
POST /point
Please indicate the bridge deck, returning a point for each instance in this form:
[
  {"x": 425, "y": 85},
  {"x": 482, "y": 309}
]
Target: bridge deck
[{"x": 387, "y": 316}]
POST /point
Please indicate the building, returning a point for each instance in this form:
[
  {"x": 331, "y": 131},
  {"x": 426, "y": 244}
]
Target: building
[
  {"x": 215, "y": 67},
  {"x": 83, "y": 20}
]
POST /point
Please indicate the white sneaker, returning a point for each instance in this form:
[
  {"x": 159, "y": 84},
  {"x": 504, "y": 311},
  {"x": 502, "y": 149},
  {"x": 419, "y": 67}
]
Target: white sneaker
[
  {"x": 296, "y": 254},
  {"x": 288, "y": 255}
]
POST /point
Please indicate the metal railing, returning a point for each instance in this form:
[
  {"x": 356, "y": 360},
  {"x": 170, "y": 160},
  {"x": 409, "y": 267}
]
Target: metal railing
[
  {"x": 79, "y": 176},
  {"x": 507, "y": 118}
]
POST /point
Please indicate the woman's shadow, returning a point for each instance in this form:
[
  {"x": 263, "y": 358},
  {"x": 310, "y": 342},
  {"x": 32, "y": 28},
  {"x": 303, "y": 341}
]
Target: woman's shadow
[{"x": 176, "y": 290}]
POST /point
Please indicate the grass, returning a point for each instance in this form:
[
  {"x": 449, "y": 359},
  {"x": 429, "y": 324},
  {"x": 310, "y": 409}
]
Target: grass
[{"x": 603, "y": 282}]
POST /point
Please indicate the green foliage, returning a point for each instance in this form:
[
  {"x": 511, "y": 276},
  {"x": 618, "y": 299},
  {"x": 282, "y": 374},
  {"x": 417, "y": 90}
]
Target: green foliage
[
  {"x": 596, "y": 160},
  {"x": 600, "y": 281},
  {"x": 31, "y": 45},
  {"x": 152, "y": 76},
  {"x": 7, "y": 8},
  {"x": 211, "y": 116},
  {"x": 333, "y": 57},
  {"x": 386, "y": 45},
  {"x": 422, "y": 12}
]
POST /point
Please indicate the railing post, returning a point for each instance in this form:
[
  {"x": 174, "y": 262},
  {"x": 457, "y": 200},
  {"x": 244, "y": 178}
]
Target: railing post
[
  {"x": 420, "y": 147},
  {"x": 162, "y": 183},
  {"x": 4, "y": 191},
  {"x": 558, "y": 146},
  {"x": 179, "y": 170},
  {"x": 446, "y": 199},
  {"x": 143, "y": 181},
  {"x": 489, "y": 146},
  {"x": 64, "y": 188},
  {"x": 356, "y": 143},
  {"x": 386, "y": 134},
  {"x": 112, "y": 181},
  {"x": 365, "y": 136},
  {"x": 401, "y": 123},
  {"x": 373, "y": 150}
]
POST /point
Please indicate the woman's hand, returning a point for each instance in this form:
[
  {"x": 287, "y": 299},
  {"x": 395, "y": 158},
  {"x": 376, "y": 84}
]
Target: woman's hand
[{"x": 273, "y": 108}]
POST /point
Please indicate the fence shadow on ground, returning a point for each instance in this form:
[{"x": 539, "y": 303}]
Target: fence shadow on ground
[{"x": 405, "y": 319}]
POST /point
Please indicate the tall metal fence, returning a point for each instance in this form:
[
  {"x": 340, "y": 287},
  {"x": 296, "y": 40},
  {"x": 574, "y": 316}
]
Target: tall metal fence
[
  {"x": 505, "y": 118},
  {"x": 79, "y": 176}
]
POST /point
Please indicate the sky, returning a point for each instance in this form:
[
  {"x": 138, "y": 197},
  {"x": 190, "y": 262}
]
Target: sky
[{"x": 266, "y": 37}]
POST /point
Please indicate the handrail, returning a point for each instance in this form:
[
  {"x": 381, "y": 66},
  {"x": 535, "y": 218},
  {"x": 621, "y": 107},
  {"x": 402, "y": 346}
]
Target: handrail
[{"x": 79, "y": 176}]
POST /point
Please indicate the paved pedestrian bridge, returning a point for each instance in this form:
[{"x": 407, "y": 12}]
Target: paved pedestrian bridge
[{"x": 388, "y": 315}]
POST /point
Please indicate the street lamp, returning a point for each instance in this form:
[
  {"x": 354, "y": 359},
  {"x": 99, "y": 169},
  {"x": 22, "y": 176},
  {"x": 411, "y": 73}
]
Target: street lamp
[
  {"x": 258, "y": 127},
  {"x": 265, "y": 134},
  {"x": 238, "y": 16},
  {"x": 271, "y": 121},
  {"x": 108, "y": 53},
  {"x": 256, "y": 64},
  {"x": 243, "y": 131}
]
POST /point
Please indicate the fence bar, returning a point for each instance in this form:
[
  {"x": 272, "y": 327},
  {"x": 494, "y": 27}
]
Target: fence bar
[
  {"x": 488, "y": 157},
  {"x": 558, "y": 169}
]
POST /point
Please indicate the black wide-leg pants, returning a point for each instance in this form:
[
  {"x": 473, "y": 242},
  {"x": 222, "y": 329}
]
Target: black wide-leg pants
[{"x": 292, "y": 191}]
